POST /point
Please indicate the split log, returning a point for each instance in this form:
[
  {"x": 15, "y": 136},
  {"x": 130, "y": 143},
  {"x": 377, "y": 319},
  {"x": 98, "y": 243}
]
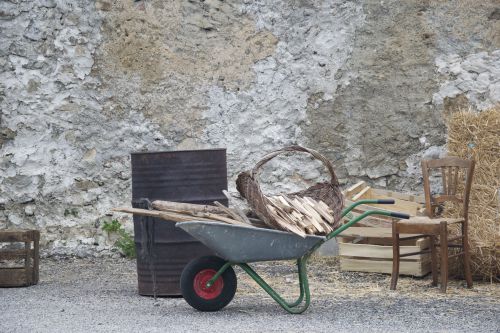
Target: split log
[
  {"x": 229, "y": 212},
  {"x": 304, "y": 207},
  {"x": 186, "y": 207},
  {"x": 285, "y": 224},
  {"x": 236, "y": 208},
  {"x": 169, "y": 216},
  {"x": 179, "y": 217},
  {"x": 316, "y": 205}
]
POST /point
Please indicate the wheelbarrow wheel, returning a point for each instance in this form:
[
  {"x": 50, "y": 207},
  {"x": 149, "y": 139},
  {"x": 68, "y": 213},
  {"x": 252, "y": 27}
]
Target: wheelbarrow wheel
[{"x": 194, "y": 280}]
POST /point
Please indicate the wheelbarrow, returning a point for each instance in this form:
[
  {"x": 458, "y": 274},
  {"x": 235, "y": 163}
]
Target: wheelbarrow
[{"x": 209, "y": 283}]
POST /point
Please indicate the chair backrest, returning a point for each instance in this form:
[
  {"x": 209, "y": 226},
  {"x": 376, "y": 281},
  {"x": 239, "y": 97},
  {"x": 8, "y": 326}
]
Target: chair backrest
[{"x": 450, "y": 174}]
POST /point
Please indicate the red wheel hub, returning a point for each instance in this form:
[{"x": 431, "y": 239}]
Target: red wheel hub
[{"x": 200, "y": 284}]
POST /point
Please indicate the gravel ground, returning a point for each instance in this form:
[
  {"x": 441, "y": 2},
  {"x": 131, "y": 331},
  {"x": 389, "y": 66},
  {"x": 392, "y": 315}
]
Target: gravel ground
[{"x": 100, "y": 295}]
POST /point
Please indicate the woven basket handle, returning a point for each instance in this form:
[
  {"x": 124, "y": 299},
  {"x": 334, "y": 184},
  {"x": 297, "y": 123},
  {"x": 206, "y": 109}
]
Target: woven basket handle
[{"x": 296, "y": 148}]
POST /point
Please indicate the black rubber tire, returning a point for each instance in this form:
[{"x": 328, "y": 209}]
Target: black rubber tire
[{"x": 187, "y": 284}]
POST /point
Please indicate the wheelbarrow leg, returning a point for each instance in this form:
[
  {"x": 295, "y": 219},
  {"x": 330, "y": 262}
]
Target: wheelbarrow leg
[
  {"x": 301, "y": 285},
  {"x": 303, "y": 282}
]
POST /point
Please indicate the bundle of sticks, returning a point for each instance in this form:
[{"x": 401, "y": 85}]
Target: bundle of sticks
[
  {"x": 298, "y": 215},
  {"x": 182, "y": 212}
]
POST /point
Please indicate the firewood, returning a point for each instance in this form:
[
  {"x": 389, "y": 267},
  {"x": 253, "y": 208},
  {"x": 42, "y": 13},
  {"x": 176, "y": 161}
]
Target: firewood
[
  {"x": 229, "y": 212},
  {"x": 286, "y": 213},
  {"x": 169, "y": 216},
  {"x": 284, "y": 224},
  {"x": 178, "y": 217},
  {"x": 180, "y": 206},
  {"x": 319, "y": 209},
  {"x": 305, "y": 208},
  {"x": 211, "y": 216},
  {"x": 236, "y": 208},
  {"x": 258, "y": 223}
]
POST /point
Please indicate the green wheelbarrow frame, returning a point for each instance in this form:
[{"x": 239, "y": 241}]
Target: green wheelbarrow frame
[{"x": 303, "y": 301}]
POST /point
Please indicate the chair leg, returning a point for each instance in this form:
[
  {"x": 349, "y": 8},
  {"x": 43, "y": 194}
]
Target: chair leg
[
  {"x": 443, "y": 240},
  {"x": 466, "y": 249},
  {"x": 395, "y": 256},
  {"x": 434, "y": 263}
]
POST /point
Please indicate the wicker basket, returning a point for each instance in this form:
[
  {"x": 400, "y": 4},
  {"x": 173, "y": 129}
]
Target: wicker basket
[{"x": 328, "y": 192}]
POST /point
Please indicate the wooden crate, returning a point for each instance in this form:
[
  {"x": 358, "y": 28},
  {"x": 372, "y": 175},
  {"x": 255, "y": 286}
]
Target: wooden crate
[
  {"x": 27, "y": 274},
  {"x": 413, "y": 205},
  {"x": 369, "y": 249}
]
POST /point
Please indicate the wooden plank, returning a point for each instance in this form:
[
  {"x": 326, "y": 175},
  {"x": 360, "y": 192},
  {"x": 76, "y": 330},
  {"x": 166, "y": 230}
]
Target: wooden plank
[
  {"x": 369, "y": 221},
  {"x": 363, "y": 208},
  {"x": 15, "y": 254},
  {"x": 404, "y": 203},
  {"x": 180, "y": 206},
  {"x": 11, "y": 236},
  {"x": 363, "y": 194},
  {"x": 15, "y": 277},
  {"x": 400, "y": 206},
  {"x": 398, "y": 195},
  {"x": 403, "y": 206},
  {"x": 371, "y": 232},
  {"x": 36, "y": 257},
  {"x": 354, "y": 189},
  {"x": 379, "y": 241},
  {"x": 378, "y": 251},
  {"x": 178, "y": 216},
  {"x": 168, "y": 216},
  {"x": 414, "y": 268}
]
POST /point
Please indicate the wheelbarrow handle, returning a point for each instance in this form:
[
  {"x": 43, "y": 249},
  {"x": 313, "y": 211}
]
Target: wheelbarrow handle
[
  {"x": 385, "y": 201},
  {"x": 400, "y": 215},
  {"x": 366, "y": 202}
]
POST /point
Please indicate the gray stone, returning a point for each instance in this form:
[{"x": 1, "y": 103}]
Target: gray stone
[
  {"x": 29, "y": 210},
  {"x": 494, "y": 91},
  {"x": 469, "y": 81}
]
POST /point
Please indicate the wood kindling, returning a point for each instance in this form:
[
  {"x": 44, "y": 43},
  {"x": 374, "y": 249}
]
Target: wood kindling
[{"x": 299, "y": 215}]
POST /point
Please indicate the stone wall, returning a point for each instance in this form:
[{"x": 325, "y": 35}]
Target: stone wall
[{"x": 84, "y": 83}]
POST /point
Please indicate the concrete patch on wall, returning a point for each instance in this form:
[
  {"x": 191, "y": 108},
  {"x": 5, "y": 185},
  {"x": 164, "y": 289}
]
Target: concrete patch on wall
[
  {"x": 387, "y": 112},
  {"x": 315, "y": 40},
  {"x": 161, "y": 57},
  {"x": 477, "y": 76},
  {"x": 381, "y": 107}
]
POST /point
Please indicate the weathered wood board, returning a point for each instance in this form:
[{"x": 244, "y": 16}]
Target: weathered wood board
[
  {"x": 414, "y": 268},
  {"x": 404, "y": 203},
  {"x": 20, "y": 276},
  {"x": 369, "y": 249}
]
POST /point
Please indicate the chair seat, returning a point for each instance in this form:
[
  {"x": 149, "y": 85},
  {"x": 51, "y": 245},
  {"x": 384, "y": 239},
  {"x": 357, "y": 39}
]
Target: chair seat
[{"x": 425, "y": 225}]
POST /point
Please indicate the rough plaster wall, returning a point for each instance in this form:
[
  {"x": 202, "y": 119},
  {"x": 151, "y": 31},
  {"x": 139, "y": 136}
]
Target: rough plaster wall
[
  {"x": 64, "y": 162},
  {"x": 84, "y": 83},
  {"x": 315, "y": 41},
  {"x": 384, "y": 117}
]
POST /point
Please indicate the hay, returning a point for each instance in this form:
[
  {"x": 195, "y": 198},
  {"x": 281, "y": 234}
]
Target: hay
[{"x": 477, "y": 135}]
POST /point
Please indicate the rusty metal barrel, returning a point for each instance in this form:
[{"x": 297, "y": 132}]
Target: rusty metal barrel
[{"x": 190, "y": 176}]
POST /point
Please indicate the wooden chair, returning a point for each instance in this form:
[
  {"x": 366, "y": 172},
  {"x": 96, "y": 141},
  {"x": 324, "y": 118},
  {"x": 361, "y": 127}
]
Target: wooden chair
[{"x": 436, "y": 227}]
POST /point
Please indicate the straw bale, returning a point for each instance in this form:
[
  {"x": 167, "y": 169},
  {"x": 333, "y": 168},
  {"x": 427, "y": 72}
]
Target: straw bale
[{"x": 477, "y": 135}]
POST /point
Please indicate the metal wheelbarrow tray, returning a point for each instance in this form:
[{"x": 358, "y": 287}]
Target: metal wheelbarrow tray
[
  {"x": 236, "y": 243},
  {"x": 209, "y": 283}
]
